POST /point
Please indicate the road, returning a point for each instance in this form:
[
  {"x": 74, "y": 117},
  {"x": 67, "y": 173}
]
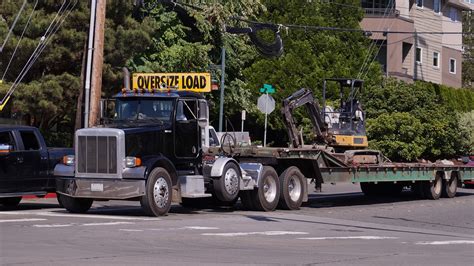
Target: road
[{"x": 336, "y": 227}]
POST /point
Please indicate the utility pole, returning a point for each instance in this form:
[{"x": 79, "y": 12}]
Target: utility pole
[
  {"x": 221, "y": 106},
  {"x": 90, "y": 52},
  {"x": 97, "y": 64}
]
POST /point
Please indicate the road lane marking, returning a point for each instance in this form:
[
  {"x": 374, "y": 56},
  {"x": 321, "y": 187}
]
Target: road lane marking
[
  {"x": 266, "y": 233},
  {"x": 448, "y": 242},
  {"x": 200, "y": 228},
  {"x": 96, "y": 216},
  {"x": 22, "y": 220},
  {"x": 77, "y": 224},
  {"x": 131, "y": 230},
  {"x": 52, "y": 225},
  {"x": 111, "y": 223},
  {"x": 349, "y": 237}
]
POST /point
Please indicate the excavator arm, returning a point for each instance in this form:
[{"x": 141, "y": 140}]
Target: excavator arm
[{"x": 304, "y": 97}]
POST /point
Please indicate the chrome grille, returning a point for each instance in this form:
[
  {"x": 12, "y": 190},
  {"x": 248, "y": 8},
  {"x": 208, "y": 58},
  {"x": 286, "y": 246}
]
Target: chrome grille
[{"x": 97, "y": 154}]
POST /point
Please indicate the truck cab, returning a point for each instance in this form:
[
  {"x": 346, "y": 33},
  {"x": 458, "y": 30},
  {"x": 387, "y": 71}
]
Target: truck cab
[{"x": 151, "y": 150}]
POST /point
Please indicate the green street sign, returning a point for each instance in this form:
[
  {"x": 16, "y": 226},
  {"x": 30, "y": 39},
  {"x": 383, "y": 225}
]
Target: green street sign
[{"x": 267, "y": 88}]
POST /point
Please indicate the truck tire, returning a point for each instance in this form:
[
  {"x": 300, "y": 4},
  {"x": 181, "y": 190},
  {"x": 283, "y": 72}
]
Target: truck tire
[
  {"x": 227, "y": 187},
  {"x": 450, "y": 187},
  {"x": 369, "y": 189},
  {"x": 75, "y": 205},
  {"x": 10, "y": 202},
  {"x": 267, "y": 195},
  {"x": 157, "y": 198},
  {"x": 432, "y": 190},
  {"x": 291, "y": 189}
]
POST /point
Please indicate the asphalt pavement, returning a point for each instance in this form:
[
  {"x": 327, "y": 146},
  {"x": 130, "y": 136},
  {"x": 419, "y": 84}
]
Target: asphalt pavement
[{"x": 336, "y": 227}]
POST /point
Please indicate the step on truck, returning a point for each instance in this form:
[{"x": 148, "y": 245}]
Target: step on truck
[{"x": 159, "y": 148}]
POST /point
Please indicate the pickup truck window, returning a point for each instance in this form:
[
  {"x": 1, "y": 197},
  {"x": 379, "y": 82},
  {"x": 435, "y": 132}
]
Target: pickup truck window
[
  {"x": 7, "y": 139},
  {"x": 30, "y": 141}
]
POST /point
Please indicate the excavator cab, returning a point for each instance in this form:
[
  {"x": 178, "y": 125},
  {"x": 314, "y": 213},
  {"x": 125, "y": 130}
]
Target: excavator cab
[{"x": 346, "y": 122}]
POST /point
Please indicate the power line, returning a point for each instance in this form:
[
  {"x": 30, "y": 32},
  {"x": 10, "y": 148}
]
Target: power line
[
  {"x": 19, "y": 41},
  {"x": 13, "y": 25}
]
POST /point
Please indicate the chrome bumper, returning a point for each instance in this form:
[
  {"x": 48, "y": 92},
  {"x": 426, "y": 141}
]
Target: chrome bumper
[{"x": 100, "y": 188}]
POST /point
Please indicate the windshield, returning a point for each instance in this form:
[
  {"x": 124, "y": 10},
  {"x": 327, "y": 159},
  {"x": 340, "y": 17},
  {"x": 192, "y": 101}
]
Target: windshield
[{"x": 144, "y": 109}]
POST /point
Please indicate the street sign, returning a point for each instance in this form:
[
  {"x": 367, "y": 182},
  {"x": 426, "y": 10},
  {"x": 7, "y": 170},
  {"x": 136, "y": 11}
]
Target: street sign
[
  {"x": 197, "y": 82},
  {"x": 266, "y": 104},
  {"x": 267, "y": 88}
]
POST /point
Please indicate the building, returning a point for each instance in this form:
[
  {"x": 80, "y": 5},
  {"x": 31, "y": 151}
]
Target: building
[{"x": 435, "y": 58}]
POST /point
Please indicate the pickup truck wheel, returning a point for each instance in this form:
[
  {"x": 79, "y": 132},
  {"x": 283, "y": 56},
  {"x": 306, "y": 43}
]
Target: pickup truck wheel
[
  {"x": 227, "y": 186},
  {"x": 450, "y": 187},
  {"x": 75, "y": 205},
  {"x": 10, "y": 202},
  {"x": 157, "y": 200},
  {"x": 292, "y": 189},
  {"x": 432, "y": 190},
  {"x": 267, "y": 195}
]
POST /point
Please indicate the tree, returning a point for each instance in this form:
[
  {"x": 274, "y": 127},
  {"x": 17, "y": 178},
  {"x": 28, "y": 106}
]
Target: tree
[{"x": 468, "y": 54}]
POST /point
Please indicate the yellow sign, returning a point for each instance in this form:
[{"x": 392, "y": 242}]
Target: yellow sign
[{"x": 197, "y": 82}]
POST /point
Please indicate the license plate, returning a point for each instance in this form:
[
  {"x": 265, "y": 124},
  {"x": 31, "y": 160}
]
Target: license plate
[{"x": 97, "y": 187}]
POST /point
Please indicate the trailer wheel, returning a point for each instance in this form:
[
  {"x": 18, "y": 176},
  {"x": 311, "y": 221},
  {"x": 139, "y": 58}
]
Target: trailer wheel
[
  {"x": 157, "y": 200},
  {"x": 267, "y": 195},
  {"x": 450, "y": 186},
  {"x": 75, "y": 205},
  {"x": 292, "y": 189},
  {"x": 432, "y": 190},
  {"x": 227, "y": 186},
  {"x": 10, "y": 202}
]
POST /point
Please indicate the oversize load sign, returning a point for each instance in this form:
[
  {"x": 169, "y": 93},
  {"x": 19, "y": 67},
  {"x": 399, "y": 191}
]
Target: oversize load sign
[{"x": 197, "y": 82}]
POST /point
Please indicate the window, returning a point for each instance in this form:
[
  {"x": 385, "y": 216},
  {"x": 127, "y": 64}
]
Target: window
[
  {"x": 436, "y": 59},
  {"x": 30, "y": 142},
  {"x": 452, "y": 65},
  {"x": 6, "y": 138},
  {"x": 418, "y": 55},
  {"x": 453, "y": 14},
  {"x": 419, "y": 3},
  {"x": 437, "y": 6}
]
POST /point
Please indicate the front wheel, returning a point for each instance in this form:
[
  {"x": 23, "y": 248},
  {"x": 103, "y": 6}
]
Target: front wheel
[
  {"x": 157, "y": 200},
  {"x": 75, "y": 205},
  {"x": 10, "y": 202},
  {"x": 292, "y": 189},
  {"x": 227, "y": 186}
]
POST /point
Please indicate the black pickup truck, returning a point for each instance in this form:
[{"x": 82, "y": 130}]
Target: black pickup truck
[{"x": 26, "y": 164}]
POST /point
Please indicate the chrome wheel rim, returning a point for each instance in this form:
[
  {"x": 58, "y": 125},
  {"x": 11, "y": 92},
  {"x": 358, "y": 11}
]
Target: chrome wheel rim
[
  {"x": 269, "y": 189},
  {"x": 231, "y": 181},
  {"x": 161, "y": 192},
  {"x": 294, "y": 188}
]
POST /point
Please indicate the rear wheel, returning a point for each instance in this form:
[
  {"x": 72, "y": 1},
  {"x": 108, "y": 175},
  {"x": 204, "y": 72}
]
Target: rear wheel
[
  {"x": 432, "y": 190},
  {"x": 450, "y": 187},
  {"x": 266, "y": 196},
  {"x": 75, "y": 205},
  {"x": 292, "y": 189},
  {"x": 157, "y": 200},
  {"x": 10, "y": 202},
  {"x": 227, "y": 186}
]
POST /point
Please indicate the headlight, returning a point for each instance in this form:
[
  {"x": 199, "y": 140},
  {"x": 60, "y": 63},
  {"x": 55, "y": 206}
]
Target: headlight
[
  {"x": 131, "y": 162},
  {"x": 69, "y": 160}
]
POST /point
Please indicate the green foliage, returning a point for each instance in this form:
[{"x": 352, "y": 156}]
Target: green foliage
[
  {"x": 466, "y": 124},
  {"x": 397, "y": 135},
  {"x": 430, "y": 119}
]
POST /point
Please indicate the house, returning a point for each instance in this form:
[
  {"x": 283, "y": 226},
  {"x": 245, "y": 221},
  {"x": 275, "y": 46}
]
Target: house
[{"x": 423, "y": 53}]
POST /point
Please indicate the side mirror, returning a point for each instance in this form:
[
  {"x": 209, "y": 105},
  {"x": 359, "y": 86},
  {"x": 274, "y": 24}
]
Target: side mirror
[{"x": 5, "y": 149}]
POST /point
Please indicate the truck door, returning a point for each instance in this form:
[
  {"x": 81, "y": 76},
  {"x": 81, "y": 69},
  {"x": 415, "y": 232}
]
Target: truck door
[
  {"x": 8, "y": 164},
  {"x": 29, "y": 162},
  {"x": 186, "y": 137}
]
